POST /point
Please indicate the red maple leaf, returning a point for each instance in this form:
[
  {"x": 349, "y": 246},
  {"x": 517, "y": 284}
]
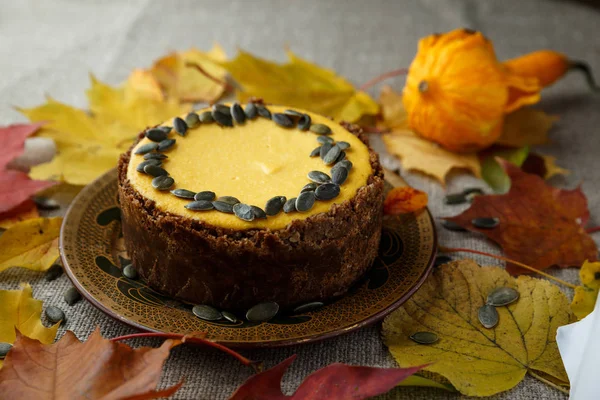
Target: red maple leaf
[{"x": 539, "y": 225}]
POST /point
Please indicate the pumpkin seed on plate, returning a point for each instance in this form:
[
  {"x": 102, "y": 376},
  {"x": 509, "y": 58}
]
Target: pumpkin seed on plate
[
  {"x": 53, "y": 272},
  {"x": 206, "y": 117},
  {"x": 156, "y": 134},
  {"x": 155, "y": 156},
  {"x": 237, "y": 112},
  {"x": 130, "y": 272},
  {"x": 154, "y": 170},
  {"x": 229, "y": 199},
  {"x": 304, "y": 122},
  {"x": 243, "y": 212},
  {"x": 180, "y": 126},
  {"x": 290, "y": 205},
  {"x": 4, "y": 349},
  {"x": 192, "y": 120},
  {"x": 283, "y": 120},
  {"x": 468, "y": 191},
  {"x": 166, "y": 144},
  {"x": 71, "y": 296},
  {"x": 320, "y": 129},
  {"x": 274, "y": 205},
  {"x": 456, "y": 198},
  {"x": 424, "y": 337},
  {"x": 46, "y": 203},
  {"x": 309, "y": 187},
  {"x": 163, "y": 182},
  {"x": 305, "y": 201},
  {"x": 183, "y": 193},
  {"x": 206, "y": 312},
  {"x": 327, "y": 191},
  {"x": 332, "y": 155},
  {"x": 488, "y": 316},
  {"x": 205, "y": 195},
  {"x": 251, "y": 111},
  {"x": 324, "y": 139},
  {"x": 319, "y": 177},
  {"x": 502, "y": 296},
  {"x": 343, "y": 145},
  {"x": 140, "y": 167},
  {"x": 229, "y": 316},
  {"x": 339, "y": 175},
  {"x": 223, "y": 206},
  {"x": 259, "y": 213},
  {"x": 485, "y": 222},
  {"x": 452, "y": 226},
  {"x": 308, "y": 307},
  {"x": 263, "y": 112},
  {"x": 221, "y": 108},
  {"x": 316, "y": 152},
  {"x": 200, "y": 205},
  {"x": 146, "y": 148},
  {"x": 54, "y": 314},
  {"x": 222, "y": 119},
  {"x": 262, "y": 312}
]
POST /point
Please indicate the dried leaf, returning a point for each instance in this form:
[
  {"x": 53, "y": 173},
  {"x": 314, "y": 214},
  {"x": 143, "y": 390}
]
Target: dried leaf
[
  {"x": 335, "y": 381},
  {"x": 13, "y": 141},
  {"x": 18, "y": 309},
  {"x": 300, "y": 84},
  {"x": 539, "y": 225},
  {"x": 24, "y": 211},
  {"x": 493, "y": 173},
  {"x": 95, "y": 369},
  {"x": 543, "y": 165},
  {"x": 186, "y": 83},
  {"x": 585, "y": 296},
  {"x": 526, "y": 127},
  {"x": 31, "y": 244},
  {"x": 422, "y": 155},
  {"x": 16, "y": 188},
  {"x": 402, "y": 200},
  {"x": 476, "y": 360},
  {"x": 90, "y": 144}
]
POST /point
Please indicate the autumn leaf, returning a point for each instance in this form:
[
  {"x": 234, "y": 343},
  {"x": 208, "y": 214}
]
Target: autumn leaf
[
  {"x": 393, "y": 113},
  {"x": 183, "y": 82},
  {"x": 335, "y": 381},
  {"x": 13, "y": 140},
  {"x": 526, "y": 127},
  {"x": 90, "y": 144},
  {"x": 543, "y": 165},
  {"x": 16, "y": 187},
  {"x": 18, "y": 309},
  {"x": 585, "y": 296},
  {"x": 476, "y": 360},
  {"x": 402, "y": 200},
  {"x": 493, "y": 173},
  {"x": 301, "y": 84},
  {"x": 24, "y": 211},
  {"x": 94, "y": 369},
  {"x": 31, "y": 244}
]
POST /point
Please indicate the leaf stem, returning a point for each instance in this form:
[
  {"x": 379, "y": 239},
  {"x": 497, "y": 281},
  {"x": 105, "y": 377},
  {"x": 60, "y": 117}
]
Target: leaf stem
[
  {"x": 226, "y": 85},
  {"x": 547, "y": 382},
  {"x": 537, "y": 271},
  {"x": 382, "y": 77},
  {"x": 256, "y": 365},
  {"x": 594, "y": 229},
  {"x": 587, "y": 72}
]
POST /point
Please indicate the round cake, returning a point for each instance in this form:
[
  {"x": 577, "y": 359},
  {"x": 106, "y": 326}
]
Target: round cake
[{"x": 235, "y": 206}]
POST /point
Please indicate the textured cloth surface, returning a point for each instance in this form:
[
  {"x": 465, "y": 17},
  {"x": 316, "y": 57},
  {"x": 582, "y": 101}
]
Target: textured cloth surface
[{"x": 50, "y": 47}]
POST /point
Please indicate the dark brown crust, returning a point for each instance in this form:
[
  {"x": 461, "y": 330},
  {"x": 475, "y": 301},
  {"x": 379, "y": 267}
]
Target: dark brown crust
[{"x": 311, "y": 259}]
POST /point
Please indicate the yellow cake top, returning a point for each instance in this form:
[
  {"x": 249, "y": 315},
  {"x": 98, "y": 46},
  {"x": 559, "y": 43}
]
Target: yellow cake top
[{"x": 253, "y": 161}]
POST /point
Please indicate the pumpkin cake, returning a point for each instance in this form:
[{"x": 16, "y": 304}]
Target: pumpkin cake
[{"x": 235, "y": 206}]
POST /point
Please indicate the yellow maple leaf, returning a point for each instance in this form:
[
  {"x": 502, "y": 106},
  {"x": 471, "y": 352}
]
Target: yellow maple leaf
[
  {"x": 479, "y": 361},
  {"x": 89, "y": 144},
  {"x": 585, "y": 296},
  {"x": 18, "y": 309},
  {"x": 301, "y": 84},
  {"x": 526, "y": 127},
  {"x": 186, "y": 83}
]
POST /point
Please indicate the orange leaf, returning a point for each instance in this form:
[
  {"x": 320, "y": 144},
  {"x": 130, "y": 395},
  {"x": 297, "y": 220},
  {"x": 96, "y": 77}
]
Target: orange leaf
[
  {"x": 402, "y": 200},
  {"x": 70, "y": 369}
]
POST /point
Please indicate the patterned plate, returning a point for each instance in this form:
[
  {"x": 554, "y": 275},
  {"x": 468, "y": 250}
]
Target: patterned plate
[{"x": 92, "y": 251}]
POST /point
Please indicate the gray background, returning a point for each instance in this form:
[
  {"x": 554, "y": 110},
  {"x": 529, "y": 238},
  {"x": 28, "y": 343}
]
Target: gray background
[{"x": 49, "y": 47}]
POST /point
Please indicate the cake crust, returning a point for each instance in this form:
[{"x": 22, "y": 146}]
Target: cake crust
[{"x": 311, "y": 259}]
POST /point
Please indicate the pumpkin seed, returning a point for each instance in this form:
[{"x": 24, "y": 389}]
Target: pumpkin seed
[
  {"x": 221, "y": 108},
  {"x": 325, "y": 149},
  {"x": 228, "y": 199},
  {"x": 263, "y": 112},
  {"x": 206, "y": 117},
  {"x": 488, "y": 316},
  {"x": 452, "y": 226},
  {"x": 424, "y": 337},
  {"x": 243, "y": 212},
  {"x": 183, "y": 193},
  {"x": 341, "y": 157},
  {"x": 262, "y": 312},
  {"x": 54, "y": 314},
  {"x": 207, "y": 313},
  {"x": 293, "y": 113},
  {"x": 259, "y": 213},
  {"x": 237, "y": 112},
  {"x": 166, "y": 129},
  {"x": 502, "y": 296},
  {"x": 140, "y": 167},
  {"x": 319, "y": 177},
  {"x": 304, "y": 122},
  {"x": 180, "y": 126},
  {"x": 485, "y": 222},
  {"x": 305, "y": 201},
  {"x": 309, "y": 187},
  {"x": 441, "y": 260},
  {"x": 223, "y": 207},
  {"x": 320, "y": 129},
  {"x": 130, "y": 272},
  {"x": 166, "y": 144},
  {"x": 343, "y": 145},
  {"x": 222, "y": 119},
  {"x": 226, "y": 314},
  {"x": 251, "y": 111},
  {"x": 468, "y": 191},
  {"x": 4, "y": 349},
  {"x": 163, "y": 182},
  {"x": 146, "y": 148},
  {"x": 154, "y": 170},
  {"x": 345, "y": 164},
  {"x": 327, "y": 191},
  {"x": 308, "y": 307},
  {"x": 324, "y": 139},
  {"x": 339, "y": 175},
  {"x": 192, "y": 120},
  {"x": 46, "y": 203},
  {"x": 283, "y": 120},
  {"x": 205, "y": 195},
  {"x": 316, "y": 152},
  {"x": 457, "y": 198},
  {"x": 290, "y": 205},
  {"x": 155, "y": 156},
  {"x": 274, "y": 205},
  {"x": 53, "y": 272},
  {"x": 71, "y": 296},
  {"x": 156, "y": 134},
  {"x": 200, "y": 205}
]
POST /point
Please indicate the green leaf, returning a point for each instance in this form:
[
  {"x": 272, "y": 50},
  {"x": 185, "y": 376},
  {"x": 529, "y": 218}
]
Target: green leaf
[{"x": 494, "y": 174}]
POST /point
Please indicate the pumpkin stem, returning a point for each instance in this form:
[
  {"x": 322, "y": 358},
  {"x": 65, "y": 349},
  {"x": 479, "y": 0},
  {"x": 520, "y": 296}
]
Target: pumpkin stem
[
  {"x": 382, "y": 77},
  {"x": 423, "y": 86},
  {"x": 587, "y": 71}
]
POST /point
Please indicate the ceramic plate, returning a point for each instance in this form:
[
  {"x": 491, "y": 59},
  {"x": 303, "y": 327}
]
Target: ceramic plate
[{"x": 93, "y": 254}]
